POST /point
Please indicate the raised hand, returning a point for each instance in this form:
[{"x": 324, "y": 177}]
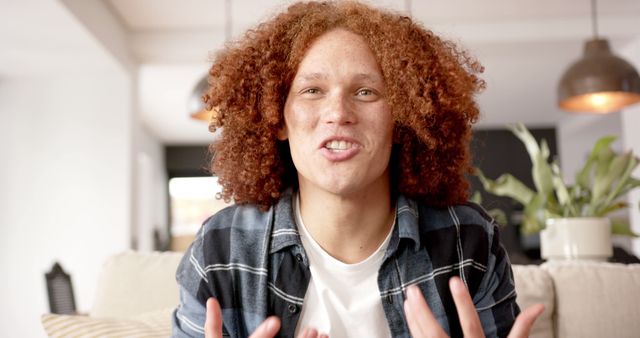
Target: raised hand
[
  {"x": 422, "y": 323},
  {"x": 267, "y": 329}
]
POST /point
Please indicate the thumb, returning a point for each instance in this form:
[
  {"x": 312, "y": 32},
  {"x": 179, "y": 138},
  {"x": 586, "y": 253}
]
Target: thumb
[
  {"x": 525, "y": 320},
  {"x": 268, "y": 329},
  {"x": 213, "y": 321}
]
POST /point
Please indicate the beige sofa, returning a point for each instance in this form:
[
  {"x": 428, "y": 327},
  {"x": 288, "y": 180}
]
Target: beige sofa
[{"x": 137, "y": 292}]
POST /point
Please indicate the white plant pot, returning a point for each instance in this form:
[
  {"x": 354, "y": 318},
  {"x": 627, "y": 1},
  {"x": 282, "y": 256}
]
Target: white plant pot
[{"x": 578, "y": 238}]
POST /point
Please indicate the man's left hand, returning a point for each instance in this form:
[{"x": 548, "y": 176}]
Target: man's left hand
[{"x": 422, "y": 323}]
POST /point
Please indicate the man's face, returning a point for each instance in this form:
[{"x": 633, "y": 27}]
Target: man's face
[{"x": 337, "y": 121}]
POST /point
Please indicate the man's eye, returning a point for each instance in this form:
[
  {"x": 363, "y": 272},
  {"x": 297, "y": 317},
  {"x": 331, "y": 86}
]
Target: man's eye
[{"x": 364, "y": 92}]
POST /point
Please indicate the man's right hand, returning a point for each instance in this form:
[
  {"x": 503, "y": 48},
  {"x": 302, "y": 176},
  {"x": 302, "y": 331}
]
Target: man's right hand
[{"x": 267, "y": 329}]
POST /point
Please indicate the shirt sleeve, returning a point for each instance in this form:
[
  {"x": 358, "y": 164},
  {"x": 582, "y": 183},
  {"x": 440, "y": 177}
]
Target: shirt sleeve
[
  {"x": 189, "y": 317},
  {"x": 496, "y": 299}
]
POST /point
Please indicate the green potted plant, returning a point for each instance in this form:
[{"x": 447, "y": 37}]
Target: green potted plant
[{"x": 572, "y": 218}]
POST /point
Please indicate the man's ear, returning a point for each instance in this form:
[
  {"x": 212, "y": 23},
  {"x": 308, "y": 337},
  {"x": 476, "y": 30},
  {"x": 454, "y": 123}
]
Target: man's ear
[{"x": 282, "y": 134}]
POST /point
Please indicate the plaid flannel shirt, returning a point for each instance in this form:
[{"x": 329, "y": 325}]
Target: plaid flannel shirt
[{"x": 255, "y": 265}]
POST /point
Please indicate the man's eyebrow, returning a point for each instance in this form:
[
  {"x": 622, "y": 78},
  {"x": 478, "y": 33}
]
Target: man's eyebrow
[
  {"x": 312, "y": 76},
  {"x": 359, "y": 77},
  {"x": 369, "y": 77}
]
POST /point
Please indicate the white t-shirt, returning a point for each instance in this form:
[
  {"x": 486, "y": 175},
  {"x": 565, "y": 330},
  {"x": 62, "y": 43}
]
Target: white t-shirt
[{"x": 342, "y": 300}]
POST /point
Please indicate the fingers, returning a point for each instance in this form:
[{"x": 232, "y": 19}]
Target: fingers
[
  {"x": 308, "y": 333},
  {"x": 469, "y": 320},
  {"x": 421, "y": 321},
  {"x": 267, "y": 329},
  {"x": 213, "y": 319},
  {"x": 525, "y": 320},
  {"x": 311, "y": 333}
]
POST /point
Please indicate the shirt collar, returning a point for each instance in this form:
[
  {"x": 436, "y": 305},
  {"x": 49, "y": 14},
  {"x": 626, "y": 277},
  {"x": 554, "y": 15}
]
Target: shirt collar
[
  {"x": 406, "y": 226},
  {"x": 407, "y": 215},
  {"x": 284, "y": 231}
]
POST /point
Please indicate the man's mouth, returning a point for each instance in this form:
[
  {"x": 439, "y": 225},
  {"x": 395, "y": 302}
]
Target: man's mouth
[{"x": 336, "y": 145}]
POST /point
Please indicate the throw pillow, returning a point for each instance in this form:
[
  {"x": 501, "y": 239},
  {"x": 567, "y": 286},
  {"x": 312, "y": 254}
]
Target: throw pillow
[{"x": 155, "y": 324}]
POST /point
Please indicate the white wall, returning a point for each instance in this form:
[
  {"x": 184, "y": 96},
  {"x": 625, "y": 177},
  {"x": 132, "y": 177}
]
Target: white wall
[
  {"x": 151, "y": 191},
  {"x": 66, "y": 149},
  {"x": 70, "y": 138}
]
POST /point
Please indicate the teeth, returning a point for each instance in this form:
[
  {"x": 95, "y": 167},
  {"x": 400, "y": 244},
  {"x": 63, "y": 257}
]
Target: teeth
[{"x": 338, "y": 145}]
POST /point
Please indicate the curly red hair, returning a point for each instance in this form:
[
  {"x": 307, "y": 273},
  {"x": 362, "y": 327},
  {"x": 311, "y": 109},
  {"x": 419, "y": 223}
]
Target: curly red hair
[{"x": 430, "y": 87}]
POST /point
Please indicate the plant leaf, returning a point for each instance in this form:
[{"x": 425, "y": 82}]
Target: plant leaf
[
  {"x": 611, "y": 208},
  {"x": 542, "y": 173},
  {"x": 523, "y": 134},
  {"x": 499, "y": 216},
  {"x": 476, "y": 198},
  {"x": 632, "y": 184},
  {"x": 540, "y": 170},
  {"x": 625, "y": 180},
  {"x": 564, "y": 198},
  {"x": 603, "y": 161},
  {"x": 533, "y": 218},
  {"x": 622, "y": 227},
  {"x": 583, "y": 178},
  {"x": 506, "y": 185},
  {"x": 607, "y": 173}
]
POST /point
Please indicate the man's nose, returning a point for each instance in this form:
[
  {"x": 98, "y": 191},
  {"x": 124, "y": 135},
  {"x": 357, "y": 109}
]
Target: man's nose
[{"x": 339, "y": 110}]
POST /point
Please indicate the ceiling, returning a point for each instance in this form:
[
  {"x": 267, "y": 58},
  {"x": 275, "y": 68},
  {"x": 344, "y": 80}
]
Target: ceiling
[
  {"x": 525, "y": 45},
  {"x": 37, "y": 38}
]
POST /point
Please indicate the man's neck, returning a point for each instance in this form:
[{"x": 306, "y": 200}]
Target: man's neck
[{"x": 350, "y": 228}]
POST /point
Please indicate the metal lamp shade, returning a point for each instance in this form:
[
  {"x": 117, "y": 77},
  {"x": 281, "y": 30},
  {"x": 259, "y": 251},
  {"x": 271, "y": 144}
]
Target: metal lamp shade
[
  {"x": 197, "y": 108},
  {"x": 600, "y": 82}
]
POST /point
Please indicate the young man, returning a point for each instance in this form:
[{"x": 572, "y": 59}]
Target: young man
[{"x": 345, "y": 145}]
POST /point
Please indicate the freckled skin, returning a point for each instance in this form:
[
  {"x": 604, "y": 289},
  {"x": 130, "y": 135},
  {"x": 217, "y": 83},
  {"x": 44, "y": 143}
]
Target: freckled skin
[{"x": 338, "y": 92}]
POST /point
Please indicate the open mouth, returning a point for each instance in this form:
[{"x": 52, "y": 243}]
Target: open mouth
[{"x": 336, "y": 145}]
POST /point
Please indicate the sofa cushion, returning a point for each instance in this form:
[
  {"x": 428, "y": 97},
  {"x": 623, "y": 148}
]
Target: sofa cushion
[
  {"x": 156, "y": 324},
  {"x": 596, "y": 299},
  {"x": 534, "y": 285},
  {"x": 134, "y": 283}
]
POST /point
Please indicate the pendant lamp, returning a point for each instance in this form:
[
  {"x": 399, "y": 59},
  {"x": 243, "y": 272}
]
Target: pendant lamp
[
  {"x": 196, "y": 106},
  {"x": 600, "y": 82}
]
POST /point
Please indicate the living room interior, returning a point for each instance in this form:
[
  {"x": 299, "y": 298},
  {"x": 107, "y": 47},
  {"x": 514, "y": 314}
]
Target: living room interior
[{"x": 95, "y": 121}]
